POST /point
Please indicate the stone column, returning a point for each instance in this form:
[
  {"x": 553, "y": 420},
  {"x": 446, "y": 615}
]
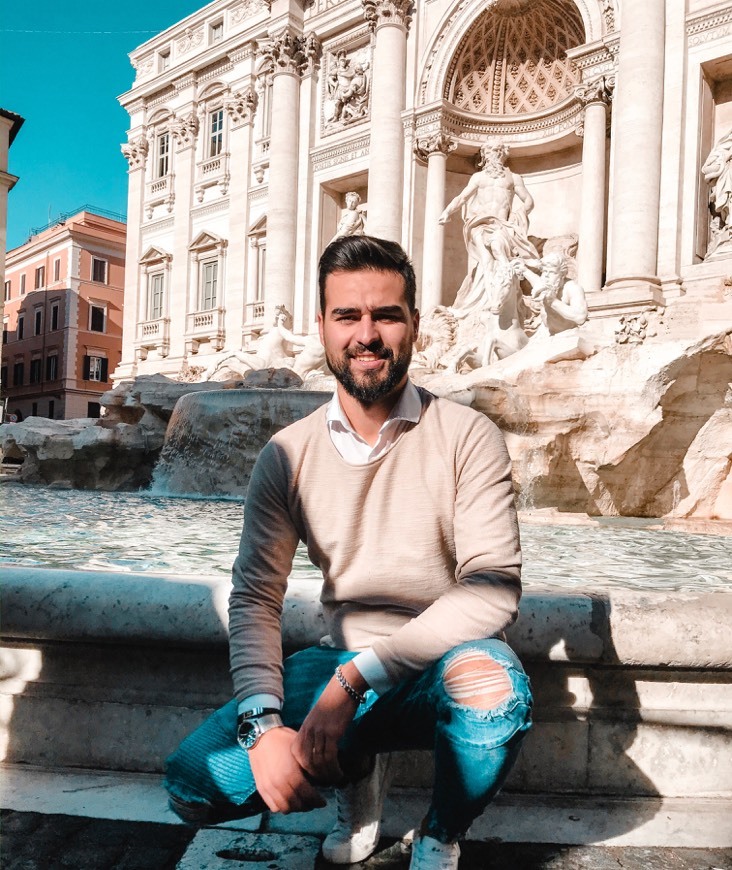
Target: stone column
[
  {"x": 390, "y": 21},
  {"x": 434, "y": 150},
  {"x": 596, "y": 98},
  {"x": 638, "y": 120},
  {"x": 135, "y": 151},
  {"x": 239, "y": 105},
  {"x": 290, "y": 54}
]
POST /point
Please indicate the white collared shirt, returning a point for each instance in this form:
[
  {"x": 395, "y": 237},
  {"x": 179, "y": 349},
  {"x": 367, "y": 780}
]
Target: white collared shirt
[{"x": 352, "y": 446}]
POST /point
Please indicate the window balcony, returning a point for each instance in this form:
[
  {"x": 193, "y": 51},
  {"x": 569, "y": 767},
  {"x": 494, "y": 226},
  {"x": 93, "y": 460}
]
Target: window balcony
[
  {"x": 204, "y": 326},
  {"x": 159, "y": 191},
  {"x": 153, "y": 335},
  {"x": 214, "y": 171}
]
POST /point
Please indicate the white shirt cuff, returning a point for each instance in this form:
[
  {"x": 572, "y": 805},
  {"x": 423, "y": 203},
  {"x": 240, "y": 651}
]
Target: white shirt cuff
[
  {"x": 262, "y": 699},
  {"x": 370, "y": 667}
]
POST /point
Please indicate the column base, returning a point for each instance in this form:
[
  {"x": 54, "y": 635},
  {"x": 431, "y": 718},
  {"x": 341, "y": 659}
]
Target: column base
[{"x": 625, "y": 296}]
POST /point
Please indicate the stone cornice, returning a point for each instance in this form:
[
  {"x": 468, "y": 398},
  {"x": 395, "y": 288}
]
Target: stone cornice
[
  {"x": 709, "y": 25},
  {"x": 214, "y": 208},
  {"x": 332, "y": 155},
  {"x": 467, "y": 128},
  {"x": 156, "y": 226}
]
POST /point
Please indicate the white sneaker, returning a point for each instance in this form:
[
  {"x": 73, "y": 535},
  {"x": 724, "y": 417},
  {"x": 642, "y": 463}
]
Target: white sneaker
[
  {"x": 431, "y": 854},
  {"x": 356, "y": 832}
]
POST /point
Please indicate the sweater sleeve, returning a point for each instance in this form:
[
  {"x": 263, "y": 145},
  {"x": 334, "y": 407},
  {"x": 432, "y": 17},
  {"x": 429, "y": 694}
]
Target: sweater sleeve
[
  {"x": 268, "y": 542},
  {"x": 483, "y": 601}
]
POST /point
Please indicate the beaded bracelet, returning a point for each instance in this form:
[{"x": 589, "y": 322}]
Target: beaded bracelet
[{"x": 353, "y": 693}]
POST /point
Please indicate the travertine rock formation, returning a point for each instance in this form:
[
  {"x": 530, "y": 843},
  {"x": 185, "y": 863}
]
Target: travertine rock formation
[{"x": 631, "y": 431}]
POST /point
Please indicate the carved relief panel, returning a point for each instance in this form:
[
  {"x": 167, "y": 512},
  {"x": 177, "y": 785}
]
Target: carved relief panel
[{"x": 347, "y": 87}]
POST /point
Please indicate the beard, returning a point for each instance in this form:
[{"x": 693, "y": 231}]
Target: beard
[{"x": 372, "y": 385}]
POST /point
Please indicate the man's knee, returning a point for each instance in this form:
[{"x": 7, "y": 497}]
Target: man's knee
[{"x": 475, "y": 679}]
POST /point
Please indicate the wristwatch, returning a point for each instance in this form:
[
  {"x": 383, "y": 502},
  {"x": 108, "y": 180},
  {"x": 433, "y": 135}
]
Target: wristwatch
[{"x": 253, "y": 723}]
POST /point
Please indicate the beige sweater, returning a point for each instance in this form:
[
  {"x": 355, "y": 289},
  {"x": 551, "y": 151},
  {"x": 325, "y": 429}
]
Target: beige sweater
[{"x": 419, "y": 549}]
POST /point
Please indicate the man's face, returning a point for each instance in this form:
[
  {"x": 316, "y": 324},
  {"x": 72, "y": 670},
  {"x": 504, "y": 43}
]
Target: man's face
[{"x": 367, "y": 332}]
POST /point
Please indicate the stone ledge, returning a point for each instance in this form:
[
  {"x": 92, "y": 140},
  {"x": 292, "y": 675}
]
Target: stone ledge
[{"x": 619, "y": 628}]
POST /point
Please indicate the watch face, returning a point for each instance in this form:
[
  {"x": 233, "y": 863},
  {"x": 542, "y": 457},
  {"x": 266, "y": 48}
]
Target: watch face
[{"x": 248, "y": 733}]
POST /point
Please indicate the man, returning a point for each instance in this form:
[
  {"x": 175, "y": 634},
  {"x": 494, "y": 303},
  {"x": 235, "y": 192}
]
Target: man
[
  {"x": 496, "y": 206},
  {"x": 405, "y": 503},
  {"x": 562, "y": 301}
]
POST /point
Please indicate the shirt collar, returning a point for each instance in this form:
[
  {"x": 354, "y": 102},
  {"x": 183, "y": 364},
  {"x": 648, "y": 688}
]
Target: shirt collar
[{"x": 409, "y": 408}]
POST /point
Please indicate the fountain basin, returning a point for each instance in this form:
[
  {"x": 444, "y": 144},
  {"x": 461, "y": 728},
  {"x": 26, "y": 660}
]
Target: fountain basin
[{"x": 633, "y": 689}]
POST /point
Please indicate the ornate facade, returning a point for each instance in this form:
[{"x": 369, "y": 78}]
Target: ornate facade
[{"x": 252, "y": 120}]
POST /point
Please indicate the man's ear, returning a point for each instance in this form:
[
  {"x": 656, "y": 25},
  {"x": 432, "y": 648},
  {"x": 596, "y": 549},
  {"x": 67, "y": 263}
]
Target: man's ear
[
  {"x": 415, "y": 322},
  {"x": 320, "y": 327}
]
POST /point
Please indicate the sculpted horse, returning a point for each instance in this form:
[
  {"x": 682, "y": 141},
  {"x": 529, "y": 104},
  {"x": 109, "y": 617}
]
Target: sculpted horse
[{"x": 495, "y": 330}]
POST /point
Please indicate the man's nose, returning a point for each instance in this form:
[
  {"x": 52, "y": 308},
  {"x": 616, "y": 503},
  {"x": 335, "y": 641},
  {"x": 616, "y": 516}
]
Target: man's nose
[{"x": 367, "y": 332}]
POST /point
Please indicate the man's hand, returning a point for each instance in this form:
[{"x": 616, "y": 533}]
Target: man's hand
[
  {"x": 316, "y": 746},
  {"x": 280, "y": 780}
]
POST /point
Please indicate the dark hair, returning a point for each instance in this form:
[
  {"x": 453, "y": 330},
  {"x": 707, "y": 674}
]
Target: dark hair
[{"x": 353, "y": 253}]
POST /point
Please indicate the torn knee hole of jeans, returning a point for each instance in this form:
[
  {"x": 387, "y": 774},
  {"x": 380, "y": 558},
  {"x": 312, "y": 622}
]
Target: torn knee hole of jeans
[{"x": 475, "y": 680}]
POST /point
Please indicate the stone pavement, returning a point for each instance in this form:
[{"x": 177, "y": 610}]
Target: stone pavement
[{"x": 36, "y": 841}]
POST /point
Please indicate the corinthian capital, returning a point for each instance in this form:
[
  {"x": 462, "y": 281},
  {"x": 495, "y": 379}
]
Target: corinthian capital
[
  {"x": 436, "y": 143},
  {"x": 291, "y": 53},
  {"x": 185, "y": 130},
  {"x": 136, "y": 152},
  {"x": 598, "y": 91},
  {"x": 240, "y": 106},
  {"x": 378, "y": 12}
]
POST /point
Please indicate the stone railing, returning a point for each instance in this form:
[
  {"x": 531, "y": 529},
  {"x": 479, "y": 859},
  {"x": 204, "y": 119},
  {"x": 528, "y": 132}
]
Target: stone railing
[{"x": 207, "y": 325}]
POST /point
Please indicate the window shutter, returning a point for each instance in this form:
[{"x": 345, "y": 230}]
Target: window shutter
[
  {"x": 87, "y": 367},
  {"x": 105, "y": 369}
]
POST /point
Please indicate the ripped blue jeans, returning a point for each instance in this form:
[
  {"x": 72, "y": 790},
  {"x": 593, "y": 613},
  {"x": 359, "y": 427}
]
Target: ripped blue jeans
[{"x": 472, "y": 708}]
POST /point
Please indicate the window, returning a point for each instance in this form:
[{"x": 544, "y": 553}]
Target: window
[
  {"x": 4, "y": 377},
  {"x": 99, "y": 270},
  {"x": 8, "y": 288},
  {"x": 51, "y": 409},
  {"x": 18, "y": 374},
  {"x": 37, "y": 321},
  {"x": 21, "y": 326},
  {"x": 5, "y": 333},
  {"x": 155, "y": 288},
  {"x": 22, "y": 285},
  {"x": 40, "y": 277},
  {"x": 217, "y": 32},
  {"x": 52, "y": 368},
  {"x": 216, "y": 132},
  {"x": 97, "y": 318},
  {"x": 164, "y": 60},
  {"x": 163, "y": 161},
  {"x": 95, "y": 368},
  {"x": 209, "y": 277},
  {"x": 93, "y": 410},
  {"x": 35, "y": 370},
  {"x": 34, "y": 409},
  {"x": 57, "y": 269},
  {"x": 54, "y": 317}
]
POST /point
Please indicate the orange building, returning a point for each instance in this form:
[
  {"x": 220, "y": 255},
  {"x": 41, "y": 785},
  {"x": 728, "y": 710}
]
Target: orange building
[{"x": 62, "y": 321}]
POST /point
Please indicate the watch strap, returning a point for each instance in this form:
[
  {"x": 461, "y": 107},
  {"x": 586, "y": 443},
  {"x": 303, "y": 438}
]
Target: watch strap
[{"x": 256, "y": 712}]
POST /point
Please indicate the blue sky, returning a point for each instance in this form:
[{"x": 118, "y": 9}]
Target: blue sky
[{"x": 62, "y": 67}]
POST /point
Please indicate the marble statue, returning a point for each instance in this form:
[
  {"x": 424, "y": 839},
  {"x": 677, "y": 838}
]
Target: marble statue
[
  {"x": 560, "y": 302},
  {"x": 352, "y": 219},
  {"x": 717, "y": 171},
  {"x": 495, "y": 207},
  {"x": 348, "y": 90}
]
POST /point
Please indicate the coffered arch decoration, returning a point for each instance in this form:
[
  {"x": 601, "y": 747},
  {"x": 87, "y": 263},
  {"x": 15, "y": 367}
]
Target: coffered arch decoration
[
  {"x": 536, "y": 29},
  {"x": 513, "y": 60}
]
